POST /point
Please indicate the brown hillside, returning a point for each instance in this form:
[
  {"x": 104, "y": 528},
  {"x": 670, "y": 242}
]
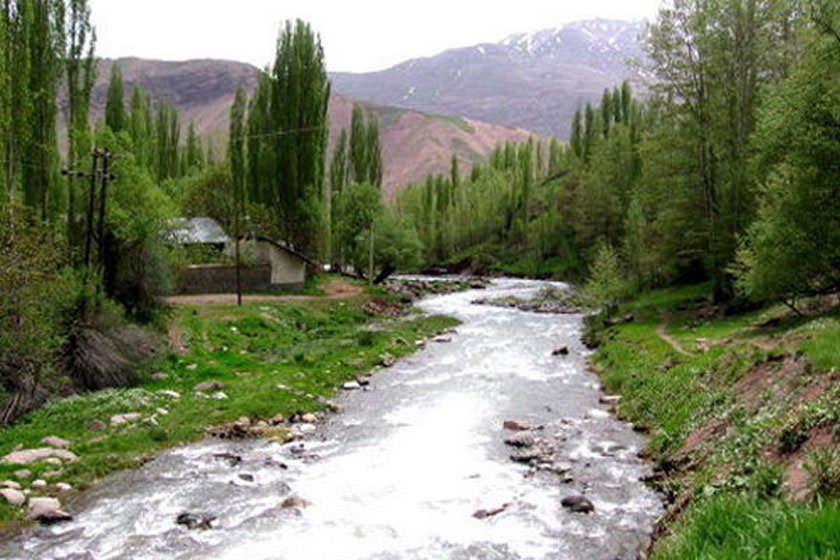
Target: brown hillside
[{"x": 414, "y": 143}]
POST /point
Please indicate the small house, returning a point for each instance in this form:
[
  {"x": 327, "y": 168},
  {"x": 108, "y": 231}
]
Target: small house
[{"x": 288, "y": 265}]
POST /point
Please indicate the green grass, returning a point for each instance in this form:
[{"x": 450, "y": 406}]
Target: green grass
[
  {"x": 274, "y": 358},
  {"x": 744, "y": 529}
]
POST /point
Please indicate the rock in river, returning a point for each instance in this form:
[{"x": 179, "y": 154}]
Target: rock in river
[
  {"x": 578, "y": 504},
  {"x": 47, "y": 510},
  {"x": 195, "y": 520},
  {"x": 516, "y": 425},
  {"x": 520, "y": 439}
]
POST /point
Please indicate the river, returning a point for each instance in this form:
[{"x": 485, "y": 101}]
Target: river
[{"x": 400, "y": 472}]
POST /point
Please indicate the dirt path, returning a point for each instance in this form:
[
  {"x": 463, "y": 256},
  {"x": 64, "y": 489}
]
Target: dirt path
[
  {"x": 662, "y": 331},
  {"x": 336, "y": 289}
]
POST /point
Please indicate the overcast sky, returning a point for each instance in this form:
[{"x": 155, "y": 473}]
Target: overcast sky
[{"x": 358, "y": 35}]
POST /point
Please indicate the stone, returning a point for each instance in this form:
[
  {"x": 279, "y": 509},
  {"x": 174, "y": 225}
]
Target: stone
[
  {"x": 610, "y": 399},
  {"x": 387, "y": 361},
  {"x": 294, "y": 502},
  {"x": 162, "y": 411},
  {"x": 485, "y": 513},
  {"x": 55, "y": 441},
  {"x": 40, "y": 483},
  {"x": 63, "y": 487},
  {"x": 13, "y": 496},
  {"x": 170, "y": 394},
  {"x": 351, "y": 386},
  {"x": 125, "y": 418},
  {"x": 28, "y": 456},
  {"x": 231, "y": 459},
  {"x": 209, "y": 386},
  {"x": 520, "y": 439},
  {"x": 53, "y": 517},
  {"x": 192, "y": 521},
  {"x": 246, "y": 477},
  {"x": 363, "y": 380},
  {"x": 526, "y": 456},
  {"x": 23, "y": 473},
  {"x": 597, "y": 414},
  {"x": 97, "y": 425},
  {"x": 54, "y": 461},
  {"x": 309, "y": 418},
  {"x": 50, "y": 474},
  {"x": 10, "y": 484},
  {"x": 219, "y": 396},
  {"x": 40, "y": 506},
  {"x": 562, "y": 351},
  {"x": 442, "y": 339},
  {"x": 160, "y": 376},
  {"x": 578, "y": 504},
  {"x": 516, "y": 425}
]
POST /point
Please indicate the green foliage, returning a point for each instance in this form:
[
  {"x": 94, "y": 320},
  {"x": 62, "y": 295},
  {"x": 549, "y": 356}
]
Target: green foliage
[
  {"x": 823, "y": 468},
  {"x": 793, "y": 247},
  {"x": 742, "y": 529},
  {"x": 606, "y": 286},
  {"x": 287, "y": 136}
]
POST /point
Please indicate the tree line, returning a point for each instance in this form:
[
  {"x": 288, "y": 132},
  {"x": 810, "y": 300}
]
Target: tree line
[{"x": 726, "y": 171}]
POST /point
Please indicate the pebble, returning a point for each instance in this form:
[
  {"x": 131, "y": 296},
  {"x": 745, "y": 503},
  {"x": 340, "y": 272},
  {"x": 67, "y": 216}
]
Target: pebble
[{"x": 55, "y": 441}]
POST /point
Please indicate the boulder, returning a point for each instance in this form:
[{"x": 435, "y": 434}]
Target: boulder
[
  {"x": 578, "y": 504},
  {"x": 520, "y": 439},
  {"x": 195, "y": 520},
  {"x": 210, "y": 386},
  {"x": 55, "y": 441},
  {"x": 10, "y": 484},
  {"x": 28, "y": 456},
  {"x": 13, "y": 496},
  {"x": 516, "y": 425},
  {"x": 125, "y": 418},
  {"x": 46, "y": 510}
]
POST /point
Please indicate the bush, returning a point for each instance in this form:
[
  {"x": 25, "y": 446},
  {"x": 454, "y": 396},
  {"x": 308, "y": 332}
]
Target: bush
[{"x": 606, "y": 286}]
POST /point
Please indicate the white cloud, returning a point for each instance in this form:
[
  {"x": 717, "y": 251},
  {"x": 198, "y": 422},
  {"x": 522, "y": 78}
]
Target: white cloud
[{"x": 358, "y": 35}]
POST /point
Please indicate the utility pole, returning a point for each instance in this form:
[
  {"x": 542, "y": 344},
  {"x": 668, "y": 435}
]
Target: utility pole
[
  {"x": 106, "y": 176},
  {"x": 93, "y": 175}
]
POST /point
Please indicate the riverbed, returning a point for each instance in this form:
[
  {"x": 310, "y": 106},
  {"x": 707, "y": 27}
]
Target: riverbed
[{"x": 402, "y": 470}]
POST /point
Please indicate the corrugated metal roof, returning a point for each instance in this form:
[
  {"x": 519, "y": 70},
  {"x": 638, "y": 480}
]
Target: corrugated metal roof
[{"x": 189, "y": 231}]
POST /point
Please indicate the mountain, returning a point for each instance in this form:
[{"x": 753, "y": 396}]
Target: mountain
[
  {"x": 534, "y": 81},
  {"x": 414, "y": 143}
]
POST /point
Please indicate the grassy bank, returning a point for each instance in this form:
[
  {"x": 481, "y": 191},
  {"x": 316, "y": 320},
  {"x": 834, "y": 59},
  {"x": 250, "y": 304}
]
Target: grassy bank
[
  {"x": 744, "y": 416},
  {"x": 268, "y": 359}
]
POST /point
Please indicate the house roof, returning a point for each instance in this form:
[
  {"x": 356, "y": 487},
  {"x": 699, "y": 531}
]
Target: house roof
[
  {"x": 189, "y": 231},
  {"x": 281, "y": 245}
]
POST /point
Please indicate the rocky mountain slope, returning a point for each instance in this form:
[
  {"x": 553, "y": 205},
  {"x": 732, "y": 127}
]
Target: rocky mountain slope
[
  {"x": 414, "y": 143},
  {"x": 534, "y": 81}
]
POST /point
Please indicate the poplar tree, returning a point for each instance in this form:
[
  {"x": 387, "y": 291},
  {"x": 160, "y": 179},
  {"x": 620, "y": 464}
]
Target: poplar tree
[{"x": 114, "y": 102}]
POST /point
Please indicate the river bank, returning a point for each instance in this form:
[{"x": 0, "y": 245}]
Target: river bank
[
  {"x": 487, "y": 443},
  {"x": 268, "y": 361},
  {"x": 743, "y": 415}
]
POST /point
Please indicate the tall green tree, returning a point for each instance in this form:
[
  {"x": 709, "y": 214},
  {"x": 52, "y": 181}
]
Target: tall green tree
[{"x": 115, "y": 100}]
